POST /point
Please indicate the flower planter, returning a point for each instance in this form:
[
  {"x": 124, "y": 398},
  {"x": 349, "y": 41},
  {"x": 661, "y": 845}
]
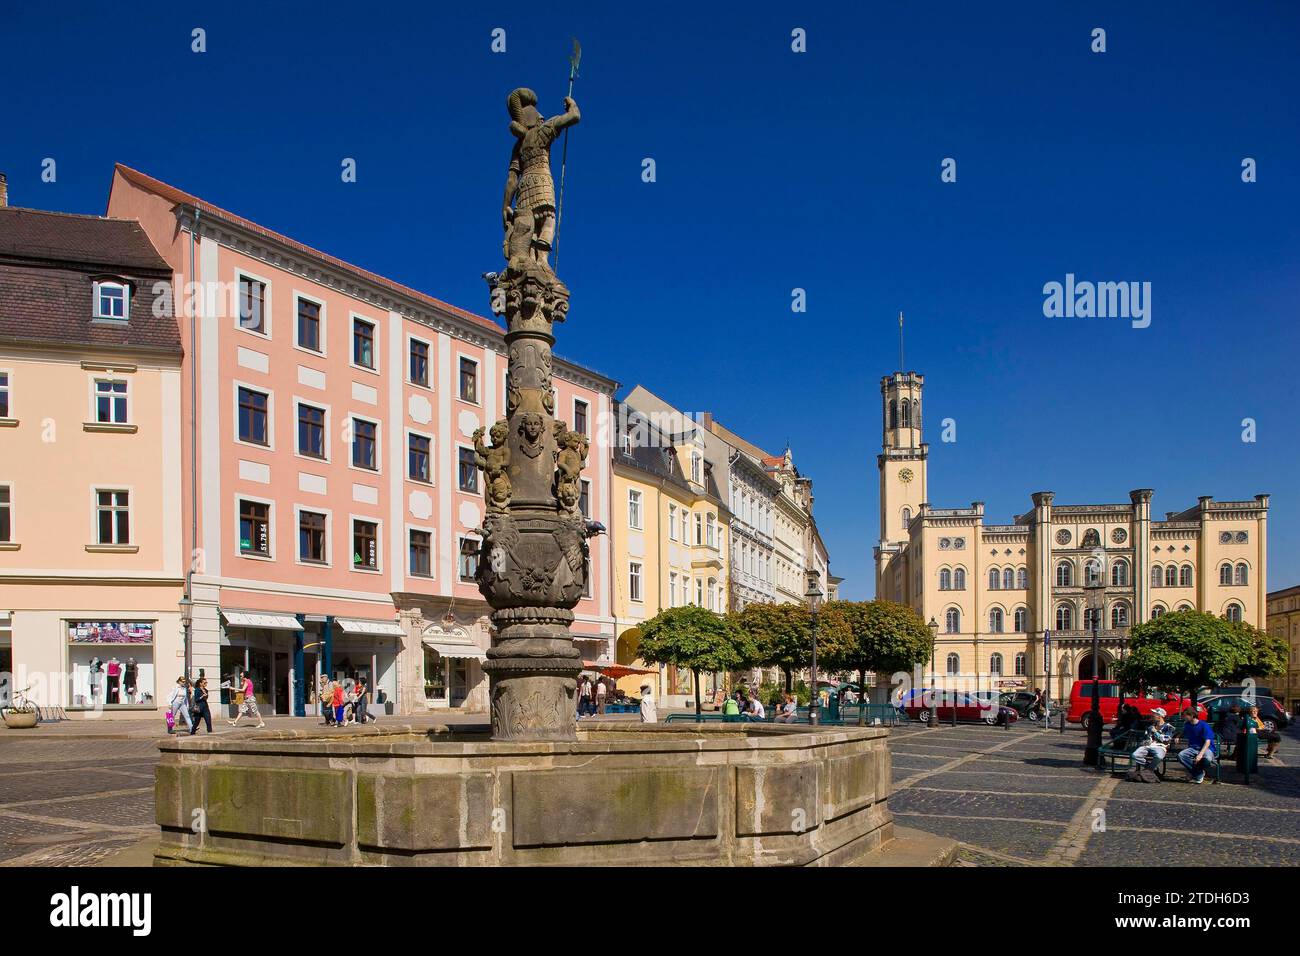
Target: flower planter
[{"x": 19, "y": 719}]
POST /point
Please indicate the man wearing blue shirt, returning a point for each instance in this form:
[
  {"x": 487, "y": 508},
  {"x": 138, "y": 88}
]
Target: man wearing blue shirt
[{"x": 1200, "y": 751}]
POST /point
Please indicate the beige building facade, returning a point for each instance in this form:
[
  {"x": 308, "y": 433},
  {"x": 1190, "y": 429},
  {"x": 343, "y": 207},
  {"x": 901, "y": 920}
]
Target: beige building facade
[
  {"x": 1284, "y": 622},
  {"x": 1013, "y": 603}
]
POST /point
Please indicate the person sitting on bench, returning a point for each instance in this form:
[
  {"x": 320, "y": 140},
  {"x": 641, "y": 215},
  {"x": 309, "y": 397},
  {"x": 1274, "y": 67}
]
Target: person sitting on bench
[
  {"x": 1199, "y": 753},
  {"x": 1151, "y": 752}
]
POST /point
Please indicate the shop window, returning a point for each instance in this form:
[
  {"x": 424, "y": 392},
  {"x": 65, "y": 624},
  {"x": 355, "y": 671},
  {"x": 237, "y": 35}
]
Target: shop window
[
  {"x": 110, "y": 663},
  {"x": 435, "y": 675}
]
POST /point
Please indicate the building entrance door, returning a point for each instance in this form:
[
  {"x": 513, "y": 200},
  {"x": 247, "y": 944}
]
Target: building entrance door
[{"x": 459, "y": 688}]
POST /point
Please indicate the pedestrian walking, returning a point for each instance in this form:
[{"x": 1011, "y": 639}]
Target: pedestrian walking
[
  {"x": 201, "y": 711},
  {"x": 249, "y": 707},
  {"x": 649, "y": 712},
  {"x": 180, "y": 703},
  {"x": 601, "y": 692},
  {"x": 326, "y": 698},
  {"x": 337, "y": 700},
  {"x": 362, "y": 705}
]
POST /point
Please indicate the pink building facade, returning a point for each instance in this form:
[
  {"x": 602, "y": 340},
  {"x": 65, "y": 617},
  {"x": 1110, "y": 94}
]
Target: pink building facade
[{"x": 337, "y": 504}]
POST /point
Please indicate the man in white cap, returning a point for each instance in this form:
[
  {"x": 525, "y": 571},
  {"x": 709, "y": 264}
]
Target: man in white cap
[
  {"x": 649, "y": 713},
  {"x": 1153, "y": 749}
]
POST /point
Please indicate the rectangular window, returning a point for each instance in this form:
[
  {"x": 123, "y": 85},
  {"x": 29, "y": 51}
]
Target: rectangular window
[
  {"x": 112, "y": 301},
  {"x": 4, "y": 394},
  {"x": 421, "y": 554},
  {"x": 672, "y": 588},
  {"x": 113, "y": 517},
  {"x": 699, "y": 592},
  {"x": 672, "y": 522},
  {"x": 695, "y": 467},
  {"x": 363, "y": 343},
  {"x": 580, "y": 417},
  {"x": 252, "y": 305},
  {"x": 309, "y": 325},
  {"x": 254, "y": 528},
  {"x": 364, "y": 441},
  {"x": 311, "y": 537},
  {"x": 311, "y": 431},
  {"x": 365, "y": 545},
  {"x": 419, "y": 362},
  {"x": 253, "y": 421},
  {"x": 110, "y": 403},
  {"x": 6, "y": 514},
  {"x": 468, "y": 559},
  {"x": 633, "y": 508},
  {"x": 699, "y": 529},
  {"x": 584, "y": 499},
  {"x": 417, "y": 458},
  {"x": 468, "y": 380},
  {"x": 634, "y": 580},
  {"x": 467, "y": 470}
]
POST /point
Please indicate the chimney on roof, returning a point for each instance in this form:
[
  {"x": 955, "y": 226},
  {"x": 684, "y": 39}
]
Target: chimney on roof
[{"x": 4, "y": 191}]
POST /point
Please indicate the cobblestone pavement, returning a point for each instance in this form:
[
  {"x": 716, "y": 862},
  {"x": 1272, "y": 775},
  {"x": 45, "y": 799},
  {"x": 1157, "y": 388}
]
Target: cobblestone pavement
[
  {"x": 1022, "y": 797},
  {"x": 1011, "y": 798}
]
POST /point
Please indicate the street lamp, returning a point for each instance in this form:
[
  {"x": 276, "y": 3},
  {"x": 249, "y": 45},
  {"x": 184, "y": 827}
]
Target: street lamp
[
  {"x": 934, "y": 649},
  {"x": 814, "y": 596},
  {"x": 187, "y": 619},
  {"x": 1096, "y": 590}
]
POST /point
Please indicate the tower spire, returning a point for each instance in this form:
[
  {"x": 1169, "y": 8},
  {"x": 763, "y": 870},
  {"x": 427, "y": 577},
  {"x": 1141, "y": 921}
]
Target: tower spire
[{"x": 901, "y": 367}]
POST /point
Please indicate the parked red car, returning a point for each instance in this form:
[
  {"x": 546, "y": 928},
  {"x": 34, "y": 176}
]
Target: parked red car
[
  {"x": 1081, "y": 702},
  {"x": 969, "y": 707}
]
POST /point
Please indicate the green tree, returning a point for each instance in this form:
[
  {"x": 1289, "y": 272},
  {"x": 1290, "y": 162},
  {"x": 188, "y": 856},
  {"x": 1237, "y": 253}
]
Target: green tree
[
  {"x": 880, "y": 636},
  {"x": 698, "y": 640},
  {"x": 1268, "y": 654},
  {"x": 1188, "y": 650},
  {"x": 782, "y": 634}
]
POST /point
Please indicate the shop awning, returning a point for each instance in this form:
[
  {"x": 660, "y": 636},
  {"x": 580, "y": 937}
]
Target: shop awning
[
  {"x": 274, "y": 622},
  {"x": 354, "y": 625},
  {"x": 616, "y": 670},
  {"x": 455, "y": 649}
]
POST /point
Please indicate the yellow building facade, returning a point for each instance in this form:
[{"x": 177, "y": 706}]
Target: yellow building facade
[
  {"x": 1284, "y": 622},
  {"x": 1012, "y": 601}
]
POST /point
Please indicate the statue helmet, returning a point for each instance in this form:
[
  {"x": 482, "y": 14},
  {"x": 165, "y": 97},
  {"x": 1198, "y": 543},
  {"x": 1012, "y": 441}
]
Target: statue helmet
[{"x": 522, "y": 104}]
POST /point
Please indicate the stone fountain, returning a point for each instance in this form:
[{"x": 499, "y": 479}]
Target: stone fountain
[{"x": 533, "y": 789}]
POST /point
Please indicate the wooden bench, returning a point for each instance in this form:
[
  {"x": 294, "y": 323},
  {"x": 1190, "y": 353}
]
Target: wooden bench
[{"x": 1123, "y": 746}]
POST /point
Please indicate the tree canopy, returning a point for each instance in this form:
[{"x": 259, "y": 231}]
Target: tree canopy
[
  {"x": 880, "y": 636},
  {"x": 698, "y": 640},
  {"x": 1190, "y": 649},
  {"x": 781, "y": 634}
]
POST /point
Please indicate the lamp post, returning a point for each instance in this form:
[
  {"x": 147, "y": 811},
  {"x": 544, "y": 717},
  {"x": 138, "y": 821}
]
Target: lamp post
[
  {"x": 934, "y": 650},
  {"x": 814, "y": 596},
  {"x": 1096, "y": 589},
  {"x": 187, "y": 619}
]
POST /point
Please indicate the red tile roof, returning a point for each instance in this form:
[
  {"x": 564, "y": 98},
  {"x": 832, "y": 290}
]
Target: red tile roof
[{"x": 172, "y": 194}]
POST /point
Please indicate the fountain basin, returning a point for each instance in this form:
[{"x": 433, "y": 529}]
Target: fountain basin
[{"x": 622, "y": 793}]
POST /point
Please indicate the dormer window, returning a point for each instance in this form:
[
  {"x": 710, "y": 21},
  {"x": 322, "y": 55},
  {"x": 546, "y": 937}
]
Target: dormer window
[{"x": 112, "y": 301}]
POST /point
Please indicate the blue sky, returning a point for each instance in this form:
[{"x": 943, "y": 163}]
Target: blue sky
[{"x": 777, "y": 171}]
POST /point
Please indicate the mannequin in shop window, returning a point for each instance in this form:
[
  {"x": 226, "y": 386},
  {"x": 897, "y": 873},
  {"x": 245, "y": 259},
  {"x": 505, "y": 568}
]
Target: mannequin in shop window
[
  {"x": 96, "y": 680},
  {"x": 114, "y": 680},
  {"x": 129, "y": 679}
]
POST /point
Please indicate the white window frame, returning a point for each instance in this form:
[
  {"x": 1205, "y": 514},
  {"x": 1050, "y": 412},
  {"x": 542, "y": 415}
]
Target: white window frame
[
  {"x": 379, "y": 445},
  {"x": 297, "y": 453},
  {"x": 95, "y": 380},
  {"x": 379, "y": 544},
  {"x": 672, "y": 588},
  {"x": 433, "y": 552},
  {"x": 270, "y": 529},
  {"x": 242, "y": 273},
  {"x": 584, "y": 488},
  {"x": 329, "y": 536},
  {"x": 376, "y": 348},
  {"x": 478, "y": 479},
  {"x": 95, "y": 491},
  {"x": 324, "y": 338},
  {"x": 427, "y": 386},
  {"x": 13, "y": 523},
  {"x": 635, "y": 582},
  {"x": 672, "y": 521},
  {"x": 98, "y": 316},
  {"x": 236, "y": 385},
  {"x": 635, "y": 505},
  {"x": 478, "y": 380},
  {"x": 8, "y": 389},
  {"x": 406, "y": 465},
  {"x": 460, "y": 540},
  {"x": 587, "y": 405}
]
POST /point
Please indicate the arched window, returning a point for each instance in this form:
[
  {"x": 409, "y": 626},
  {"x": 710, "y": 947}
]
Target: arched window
[
  {"x": 1184, "y": 607},
  {"x": 945, "y": 579},
  {"x": 1225, "y": 574},
  {"x": 1185, "y": 576},
  {"x": 1157, "y": 611},
  {"x": 995, "y": 621},
  {"x": 952, "y": 621},
  {"x": 959, "y": 579},
  {"x": 1243, "y": 574},
  {"x": 907, "y": 518},
  {"x": 1008, "y": 579},
  {"x": 995, "y": 664},
  {"x": 995, "y": 579},
  {"x": 1021, "y": 619},
  {"x": 1065, "y": 575},
  {"x": 954, "y": 665},
  {"x": 1119, "y": 574},
  {"x": 1119, "y": 615},
  {"x": 1234, "y": 612},
  {"x": 907, "y": 414},
  {"x": 1171, "y": 576},
  {"x": 1092, "y": 571},
  {"x": 893, "y": 413},
  {"x": 1064, "y": 617},
  {"x": 1020, "y": 664},
  {"x": 1022, "y": 579},
  {"x": 1157, "y": 576},
  {"x": 1092, "y": 616}
]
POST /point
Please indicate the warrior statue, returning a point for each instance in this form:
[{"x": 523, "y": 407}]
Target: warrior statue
[{"x": 528, "y": 209}]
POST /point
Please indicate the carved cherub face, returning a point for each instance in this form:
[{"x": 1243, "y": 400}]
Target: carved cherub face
[{"x": 498, "y": 434}]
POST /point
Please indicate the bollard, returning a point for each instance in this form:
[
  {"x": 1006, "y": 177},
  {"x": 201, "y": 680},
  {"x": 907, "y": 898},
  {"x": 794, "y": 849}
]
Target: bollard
[
  {"x": 1006, "y": 723},
  {"x": 1062, "y": 721}
]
